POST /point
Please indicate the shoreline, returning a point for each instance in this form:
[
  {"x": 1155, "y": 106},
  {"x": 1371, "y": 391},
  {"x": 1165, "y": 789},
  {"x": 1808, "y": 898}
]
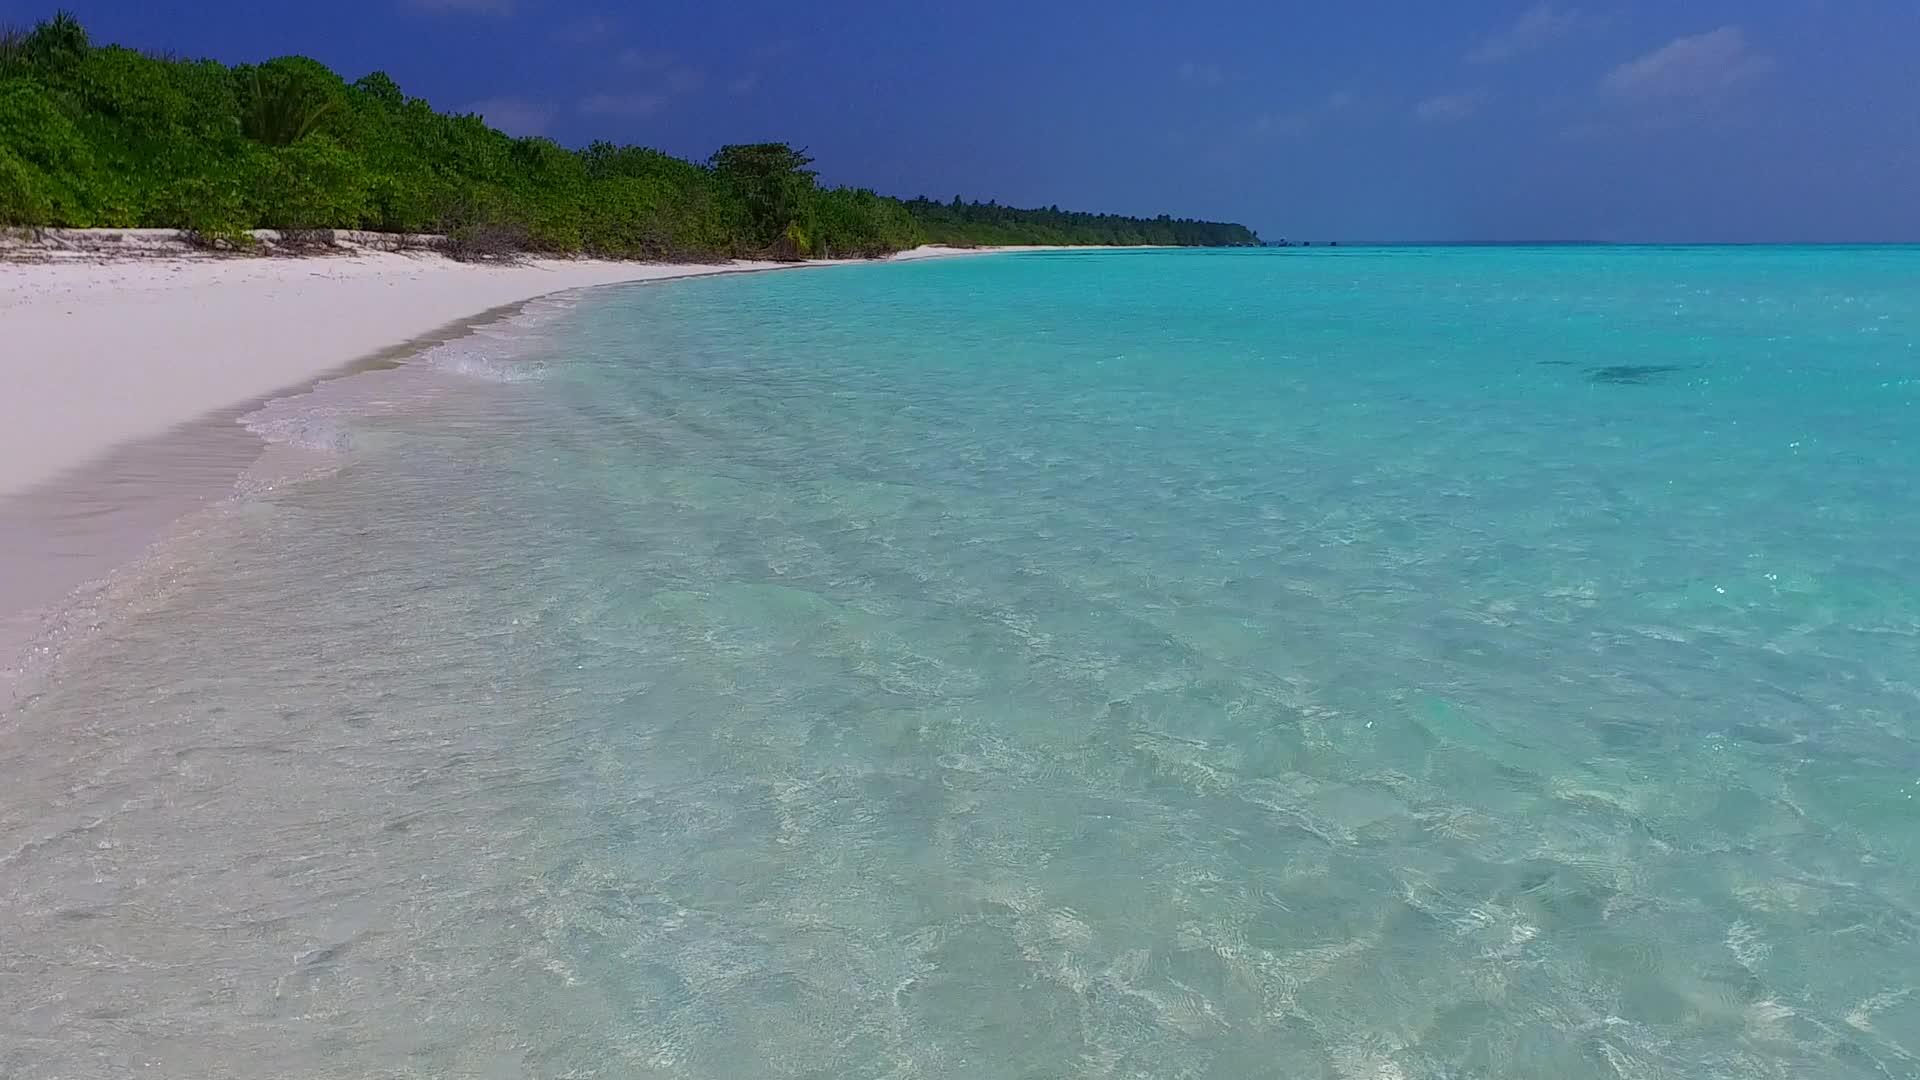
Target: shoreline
[
  {"x": 110, "y": 351},
  {"x": 131, "y": 374},
  {"x": 114, "y": 344}
]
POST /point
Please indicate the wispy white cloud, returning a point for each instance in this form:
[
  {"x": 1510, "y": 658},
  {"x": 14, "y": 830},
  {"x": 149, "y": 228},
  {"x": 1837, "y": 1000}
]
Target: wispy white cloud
[
  {"x": 1202, "y": 74},
  {"x": 1699, "y": 69},
  {"x": 665, "y": 77},
  {"x": 682, "y": 80},
  {"x": 1292, "y": 122},
  {"x": 515, "y": 116},
  {"x": 1586, "y": 131},
  {"x": 586, "y": 30},
  {"x": 464, "y": 7},
  {"x": 678, "y": 78},
  {"x": 622, "y": 104},
  {"x": 644, "y": 59},
  {"x": 1451, "y": 108},
  {"x": 1538, "y": 27},
  {"x": 777, "y": 48},
  {"x": 1304, "y": 119},
  {"x": 1689, "y": 80}
]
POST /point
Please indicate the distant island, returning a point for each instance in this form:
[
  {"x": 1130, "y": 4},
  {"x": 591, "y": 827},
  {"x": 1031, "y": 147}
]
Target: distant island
[{"x": 115, "y": 137}]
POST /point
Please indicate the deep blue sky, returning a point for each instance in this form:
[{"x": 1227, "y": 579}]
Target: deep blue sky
[{"x": 1696, "y": 120}]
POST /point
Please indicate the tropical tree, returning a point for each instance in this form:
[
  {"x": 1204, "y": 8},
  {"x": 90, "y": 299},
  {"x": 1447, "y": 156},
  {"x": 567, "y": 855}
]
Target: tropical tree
[
  {"x": 108, "y": 136},
  {"x": 773, "y": 184}
]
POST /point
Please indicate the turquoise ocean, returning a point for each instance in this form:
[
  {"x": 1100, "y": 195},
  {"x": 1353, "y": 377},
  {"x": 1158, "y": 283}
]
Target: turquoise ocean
[{"x": 1384, "y": 663}]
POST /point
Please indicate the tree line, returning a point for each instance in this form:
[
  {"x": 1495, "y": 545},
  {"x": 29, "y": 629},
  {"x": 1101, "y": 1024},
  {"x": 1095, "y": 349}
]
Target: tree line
[
  {"x": 115, "y": 137},
  {"x": 960, "y": 222}
]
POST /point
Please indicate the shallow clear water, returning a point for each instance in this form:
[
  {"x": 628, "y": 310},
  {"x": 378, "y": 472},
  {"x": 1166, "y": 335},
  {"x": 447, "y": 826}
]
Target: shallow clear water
[{"x": 1384, "y": 663}]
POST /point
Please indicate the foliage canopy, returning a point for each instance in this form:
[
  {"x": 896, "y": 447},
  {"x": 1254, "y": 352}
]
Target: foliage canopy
[{"x": 108, "y": 136}]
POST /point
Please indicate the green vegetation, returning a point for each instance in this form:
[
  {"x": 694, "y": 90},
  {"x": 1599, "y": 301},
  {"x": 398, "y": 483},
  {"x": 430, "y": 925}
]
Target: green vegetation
[
  {"x": 966, "y": 223},
  {"x": 109, "y": 136}
]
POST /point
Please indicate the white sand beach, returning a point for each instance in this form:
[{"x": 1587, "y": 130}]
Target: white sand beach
[
  {"x": 125, "y": 378},
  {"x": 103, "y": 352}
]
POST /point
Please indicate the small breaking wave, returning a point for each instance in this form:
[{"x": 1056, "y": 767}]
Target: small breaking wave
[
  {"x": 323, "y": 418},
  {"x": 505, "y": 350},
  {"x": 297, "y": 422},
  {"x": 308, "y": 435}
]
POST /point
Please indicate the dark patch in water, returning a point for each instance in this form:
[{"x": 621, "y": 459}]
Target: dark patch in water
[
  {"x": 1630, "y": 374},
  {"x": 1619, "y": 733},
  {"x": 1556, "y": 363},
  {"x": 328, "y": 955},
  {"x": 1535, "y": 880},
  {"x": 1762, "y": 736}
]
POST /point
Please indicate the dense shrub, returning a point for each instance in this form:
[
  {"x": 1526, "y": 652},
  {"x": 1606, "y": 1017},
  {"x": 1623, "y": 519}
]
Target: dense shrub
[
  {"x": 113, "y": 137},
  {"x": 313, "y": 183},
  {"x": 990, "y": 223},
  {"x": 42, "y": 159}
]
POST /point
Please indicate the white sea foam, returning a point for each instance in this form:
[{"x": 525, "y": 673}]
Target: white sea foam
[
  {"x": 508, "y": 349},
  {"x": 308, "y": 434}
]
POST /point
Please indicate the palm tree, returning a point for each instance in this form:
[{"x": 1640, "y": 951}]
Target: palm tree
[{"x": 279, "y": 111}]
